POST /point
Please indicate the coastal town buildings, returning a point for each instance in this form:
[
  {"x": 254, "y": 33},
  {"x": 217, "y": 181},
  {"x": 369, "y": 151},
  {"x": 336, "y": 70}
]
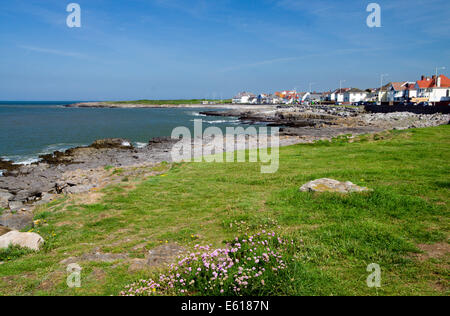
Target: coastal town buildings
[
  {"x": 325, "y": 96},
  {"x": 433, "y": 89},
  {"x": 411, "y": 91},
  {"x": 382, "y": 93},
  {"x": 245, "y": 98},
  {"x": 354, "y": 95},
  {"x": 338, "y": 95},
  {"x": 314, "y": 97},
  {"x": 400, "y": 91}
]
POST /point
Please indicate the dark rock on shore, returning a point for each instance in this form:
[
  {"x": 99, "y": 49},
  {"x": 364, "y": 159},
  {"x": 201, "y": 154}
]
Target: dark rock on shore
[
  {"x": 82, "y": 154},
  {"x": 119, "y": 143},
  {"x": 8, "y": 166},
  {"x": 69, "y": 172},
  {"x": 4, "y": 230},
  {"x": 5, "y": 197},
  {"x": 301, "y": 117},
  {"x": 18, "y": 220}
]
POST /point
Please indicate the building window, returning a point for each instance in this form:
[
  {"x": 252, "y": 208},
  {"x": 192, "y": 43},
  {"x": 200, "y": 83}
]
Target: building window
[{"x": 448, "y": 93}]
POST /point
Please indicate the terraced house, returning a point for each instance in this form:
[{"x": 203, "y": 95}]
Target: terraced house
[
  {"x": 354, "y": 95},
  {"x": 401, "y": 91},
  {"x": 434, "y": 89}
]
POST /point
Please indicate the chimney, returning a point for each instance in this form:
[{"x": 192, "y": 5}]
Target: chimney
[
  {"x": 439, "y": 82},
  {"x": 422, "y": 78}
]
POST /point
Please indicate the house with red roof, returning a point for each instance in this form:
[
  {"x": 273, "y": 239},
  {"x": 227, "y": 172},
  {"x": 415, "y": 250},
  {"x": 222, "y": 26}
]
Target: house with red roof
[
  {"x": 401, "y": 91},
  {"x": 434, "y": 89}
]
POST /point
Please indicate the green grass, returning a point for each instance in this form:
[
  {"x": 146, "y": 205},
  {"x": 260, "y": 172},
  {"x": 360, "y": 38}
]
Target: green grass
[
  {"x": 171, "y": 102},
  {"x": 208, "y": 203},
  {"x": 13, "y": 252}
]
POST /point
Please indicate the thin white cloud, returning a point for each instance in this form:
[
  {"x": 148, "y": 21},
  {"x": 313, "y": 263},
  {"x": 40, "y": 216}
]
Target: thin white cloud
[
  {"x": 53, "y": 51},
  {"x": 289, "y": 59}
]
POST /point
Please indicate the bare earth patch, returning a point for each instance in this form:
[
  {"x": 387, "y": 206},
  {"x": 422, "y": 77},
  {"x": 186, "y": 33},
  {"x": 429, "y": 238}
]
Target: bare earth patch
[
  {"x": 157, "y": 257},
  {"x": 51, "y": 280},
  {"x": 434, "y": 251},
  {"x": 89, "y": 198}
]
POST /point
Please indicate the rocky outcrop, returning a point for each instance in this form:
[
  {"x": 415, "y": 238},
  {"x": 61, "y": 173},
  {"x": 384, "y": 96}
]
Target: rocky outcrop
[
  {"x": 17, "y": 220},
  {"x": 31, "y": 241},
  {"x": 4, "y": 230},
  {"x": 156, "y": 257},
  {"x": 311, "y": 120},
  {"x": 5, "y": 196},
  {"x": 7, "y": 166},
  {"x": 405, "y": 120},
  {"x": 331, "y": 185},
  {"x": 112, "y": 143},
  {"x": 74, "y": 171}
]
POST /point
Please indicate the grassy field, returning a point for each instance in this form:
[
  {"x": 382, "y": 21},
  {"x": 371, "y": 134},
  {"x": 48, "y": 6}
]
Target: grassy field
[
  {"x": 171, "y": 102},
  {"x": 207, "y": 203}
]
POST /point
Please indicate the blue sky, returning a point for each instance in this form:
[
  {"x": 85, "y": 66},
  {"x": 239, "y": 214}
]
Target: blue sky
[{"x": 160, "y": 49}]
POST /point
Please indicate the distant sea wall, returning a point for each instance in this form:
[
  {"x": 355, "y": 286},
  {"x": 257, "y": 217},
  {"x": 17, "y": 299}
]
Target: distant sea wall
[{"x": 443, "y": 108}]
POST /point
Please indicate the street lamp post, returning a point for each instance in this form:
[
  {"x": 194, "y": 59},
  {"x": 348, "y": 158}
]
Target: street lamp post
[
  {"x": 340, "y": 89},
  {"x": 381, "y": 85},
  {"x": 340, "y": 84},
  {"x": 310, "y": 91},
  {"x": 437, "y": 69}
]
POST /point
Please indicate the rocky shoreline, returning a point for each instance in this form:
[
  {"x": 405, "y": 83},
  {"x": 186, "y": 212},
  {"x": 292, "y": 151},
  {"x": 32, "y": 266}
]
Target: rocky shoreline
[
  {"x": 118, "y": 105},
  {"x": 83, "y": 169},
  {"x": 316, "y": 122}
]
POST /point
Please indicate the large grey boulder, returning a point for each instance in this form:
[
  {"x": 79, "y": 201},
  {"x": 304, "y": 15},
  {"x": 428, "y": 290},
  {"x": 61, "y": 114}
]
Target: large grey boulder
[
  {"x": 31, "y": 241},
  {"x": 15, "y": 205},
  {"x": 77, "y": 189},
  {"x": 46, "y": 198},
  {"x": 331, "y": 185},
  {"x": 5, "y": 196},
  {"x": 19, "y": 220},
  {"x": 157, "y": 257}
]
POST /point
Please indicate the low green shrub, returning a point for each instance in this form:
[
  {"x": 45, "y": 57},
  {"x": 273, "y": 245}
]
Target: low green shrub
[
  {"x": 249, "y": 266},
  {"x": 13, "y": 252}
]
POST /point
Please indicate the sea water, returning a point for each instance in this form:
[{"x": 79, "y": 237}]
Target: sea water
[{"x": 30, "y": 129}]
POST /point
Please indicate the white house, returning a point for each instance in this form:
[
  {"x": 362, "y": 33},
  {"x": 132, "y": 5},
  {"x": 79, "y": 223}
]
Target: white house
[
  {"x": 338, "y": 95},
  {"x": 400, "y": 91},
  {"x": 314, "y": 97},
  {"x": 355, "y": 95},
  {"x": 252, "y": 100},
  {"x": 245, "y": 98},
  {"x": 382, "y": 93},
  {"x": 276, "y": 100},
  {"x": 434, "y": 89},
  {"x": 331, "y": 96},
  {"x": 411, "y": 92},
  {"x": 325, "y": 96}
]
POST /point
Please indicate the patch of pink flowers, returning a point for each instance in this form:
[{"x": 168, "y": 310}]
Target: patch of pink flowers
[{"x": 244, "y": 267}]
